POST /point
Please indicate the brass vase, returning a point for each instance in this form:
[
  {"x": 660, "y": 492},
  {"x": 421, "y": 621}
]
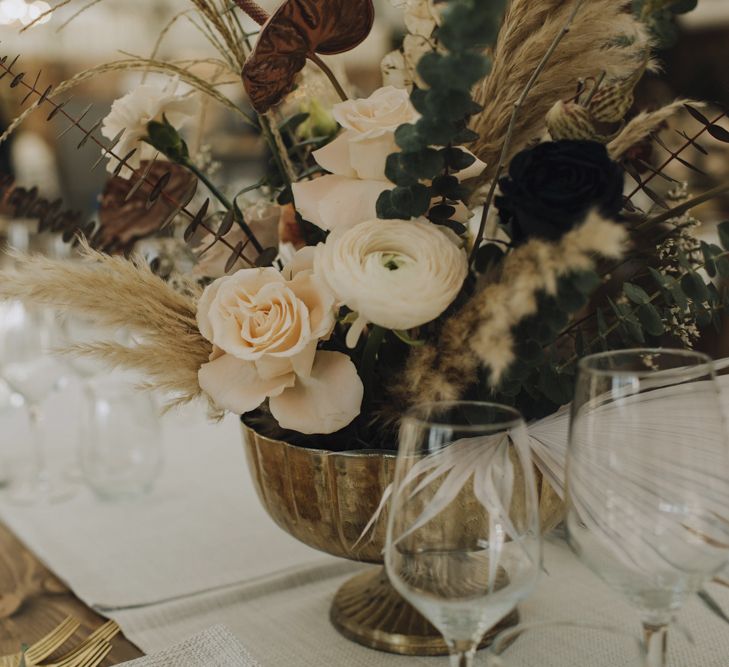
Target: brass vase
[{"x": 326, "y": 499}]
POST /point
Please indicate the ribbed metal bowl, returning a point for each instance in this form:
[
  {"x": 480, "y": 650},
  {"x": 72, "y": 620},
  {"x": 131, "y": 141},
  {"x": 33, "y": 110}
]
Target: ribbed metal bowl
[{"x": 326, "y": 500}]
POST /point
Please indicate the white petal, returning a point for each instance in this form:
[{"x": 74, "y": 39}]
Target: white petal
[
  {"x": 303, "y": 260},
  {"x": 203, "y": 309},
  {"x": 334, "y": 157},
  {"x": 326, "y": 401},
  {"x": 369, "y": 156},
  {"x": 334, "y": 202},
  {"x": 351, "y": 202},
  {"x": 304, "y": 361},
  {"x": 235, "y": 385},
  {"x": 270, "y": 367},
  {"x": 476, "y": 169},
  {"x": 308, "y": 195},
  {"x": 355, "y": 331}
]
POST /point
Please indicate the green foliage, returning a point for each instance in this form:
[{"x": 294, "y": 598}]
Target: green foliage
[
  {"x": 167, "y": 140},
  {"x": 660, "y": 16},
  {"x": 537, "y": 384},
  {"x": 446, "y": 105}
]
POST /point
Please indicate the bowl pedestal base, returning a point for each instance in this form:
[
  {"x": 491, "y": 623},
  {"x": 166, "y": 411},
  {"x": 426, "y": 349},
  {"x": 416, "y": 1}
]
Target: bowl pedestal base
[{"x": 368, "y": 610}]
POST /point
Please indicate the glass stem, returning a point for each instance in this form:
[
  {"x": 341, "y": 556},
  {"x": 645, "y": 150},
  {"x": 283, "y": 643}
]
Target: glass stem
[
  {"x": 655, "y": 638},
  {"x": 462, "y": 653},
  {"x": 40, "y": 466}
]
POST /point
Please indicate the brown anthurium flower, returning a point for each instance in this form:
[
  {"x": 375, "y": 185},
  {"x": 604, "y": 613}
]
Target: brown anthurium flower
[{"x": 298, "y": 30}]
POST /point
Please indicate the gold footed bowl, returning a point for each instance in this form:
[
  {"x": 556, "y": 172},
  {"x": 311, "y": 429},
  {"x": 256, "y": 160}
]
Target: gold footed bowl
[{"x": 326, "y": 499}]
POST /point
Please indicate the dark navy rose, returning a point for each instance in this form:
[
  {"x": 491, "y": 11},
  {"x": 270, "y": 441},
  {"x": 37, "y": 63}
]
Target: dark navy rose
[{"x": 552, "y": 186}]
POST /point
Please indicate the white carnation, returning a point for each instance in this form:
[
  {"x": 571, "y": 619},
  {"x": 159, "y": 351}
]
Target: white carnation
[{"x": 133, "y": 112}]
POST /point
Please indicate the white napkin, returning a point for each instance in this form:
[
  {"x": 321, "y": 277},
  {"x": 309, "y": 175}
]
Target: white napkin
[{"x": 215, "y": 646}]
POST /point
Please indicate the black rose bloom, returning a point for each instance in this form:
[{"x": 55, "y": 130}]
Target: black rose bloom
[{"x": 551, "y": 187}]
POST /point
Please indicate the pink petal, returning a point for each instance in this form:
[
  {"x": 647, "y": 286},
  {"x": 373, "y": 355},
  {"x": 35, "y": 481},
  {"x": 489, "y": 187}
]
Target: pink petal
[
  {"x": 326, "y": 401},
  {"x": 235, "y": 385}
]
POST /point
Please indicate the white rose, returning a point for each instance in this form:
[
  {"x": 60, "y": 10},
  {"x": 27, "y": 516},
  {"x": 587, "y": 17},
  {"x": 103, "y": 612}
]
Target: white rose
[
  {"x": 394, "y": 273},
  {"x": 357, "y": 159},
  {"x": 265, "y": 330},
  {"x": 133, "y": 112},
  {"x": 361, "y": 150}
]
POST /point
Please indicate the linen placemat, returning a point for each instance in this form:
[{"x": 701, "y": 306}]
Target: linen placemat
[
  {"x": 214, "y": 647},
  {"x": 285, "y": 623}
]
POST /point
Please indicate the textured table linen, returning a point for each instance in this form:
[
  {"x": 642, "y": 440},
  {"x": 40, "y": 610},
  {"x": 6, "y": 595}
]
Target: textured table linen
[
  {"x": 215, "y": 646},
  {"x": 200, "y": 551}
]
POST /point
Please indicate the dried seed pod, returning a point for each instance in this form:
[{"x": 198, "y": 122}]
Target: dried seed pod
[{"x": 570, "y": 121}]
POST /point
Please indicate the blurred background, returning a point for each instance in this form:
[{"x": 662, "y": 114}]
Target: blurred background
[{"x": 695, "y": 67}]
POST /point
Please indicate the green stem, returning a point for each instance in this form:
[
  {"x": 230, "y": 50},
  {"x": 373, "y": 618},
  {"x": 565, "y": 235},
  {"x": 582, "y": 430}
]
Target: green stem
[
  {"x": 186, "y": 162},
  {"x": 369, "y": 358},
  {"x": 685, "y": 207},
  {"x": 330, "y": 75}
]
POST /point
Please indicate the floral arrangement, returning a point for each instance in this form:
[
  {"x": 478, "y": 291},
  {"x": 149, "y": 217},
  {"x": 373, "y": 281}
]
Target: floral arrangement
[{"x": 470, "y": 229}]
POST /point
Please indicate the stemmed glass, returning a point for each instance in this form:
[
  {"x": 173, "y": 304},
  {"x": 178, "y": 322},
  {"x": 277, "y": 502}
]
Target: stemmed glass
[
  {"x": 648, "y": 480},
  {"x": 463, "y": 540},
  {"x": 31, "y": 372}
]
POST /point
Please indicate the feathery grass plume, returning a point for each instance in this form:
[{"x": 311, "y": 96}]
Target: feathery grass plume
[
  {"x": 444, "y": 370},
  {"x": 603, "y": 37},
  {"x": 120, "y": 293},
  {"x": 643, "y": 125}
]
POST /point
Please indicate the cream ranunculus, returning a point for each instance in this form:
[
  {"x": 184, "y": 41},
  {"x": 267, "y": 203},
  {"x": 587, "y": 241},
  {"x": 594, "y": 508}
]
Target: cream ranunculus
[
  {"x": 357, "y": 159},
  {"x": 394, "y": 273},
  {"x": 133, "y": 112},
  {"x": 265, "y": 330}
]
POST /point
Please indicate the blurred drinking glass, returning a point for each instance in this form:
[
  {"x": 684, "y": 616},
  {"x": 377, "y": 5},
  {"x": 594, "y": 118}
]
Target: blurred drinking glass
[{"x": 121, "y": 444}]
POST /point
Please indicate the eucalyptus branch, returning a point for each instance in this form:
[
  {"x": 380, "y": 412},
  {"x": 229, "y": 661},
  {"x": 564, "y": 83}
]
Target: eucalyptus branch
[
  {"x": 578, "y": 323},
  {"x": 685, "y": 207},
  {"x": 651, "y": 298},
  {"x": 224, "y": 201},
  {"x": 512, "y": 122},
  {"x": 658, "y": 171}
]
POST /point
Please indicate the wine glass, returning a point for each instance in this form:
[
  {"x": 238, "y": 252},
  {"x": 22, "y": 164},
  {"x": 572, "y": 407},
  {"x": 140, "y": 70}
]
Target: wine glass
[
  {"x": 463, "y": 539},
  {"x": 648, "y": 480},
  {"x": 29, "y": 370}
]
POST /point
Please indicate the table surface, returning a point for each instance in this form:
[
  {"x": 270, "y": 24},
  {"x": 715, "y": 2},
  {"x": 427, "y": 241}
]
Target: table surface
[{"x": 42, "y": 613}]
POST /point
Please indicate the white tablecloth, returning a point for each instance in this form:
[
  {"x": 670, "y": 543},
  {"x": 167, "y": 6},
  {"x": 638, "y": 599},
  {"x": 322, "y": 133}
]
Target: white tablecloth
[{"x": 200, "y": 551}]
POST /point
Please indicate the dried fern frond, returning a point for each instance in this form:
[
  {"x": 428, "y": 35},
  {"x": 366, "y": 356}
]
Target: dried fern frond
[
  {"x": 480, "y": 333},
  {"x": 643, "y": 125},
  {"x": 603, "y": 37},
  {"x": 119, "y": 293}
]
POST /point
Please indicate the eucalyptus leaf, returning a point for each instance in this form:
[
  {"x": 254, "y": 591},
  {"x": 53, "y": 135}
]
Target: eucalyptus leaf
[
  {"x": 651, "y": 320},
  {"x": 636, "y": 294}
]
